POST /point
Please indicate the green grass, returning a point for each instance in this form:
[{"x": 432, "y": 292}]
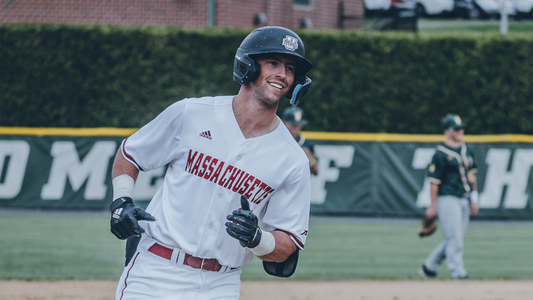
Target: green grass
[
  {"x": 79, "y": 246},
  {"x": 387, "y": 249},
  {"x": 59, "y": 246}
]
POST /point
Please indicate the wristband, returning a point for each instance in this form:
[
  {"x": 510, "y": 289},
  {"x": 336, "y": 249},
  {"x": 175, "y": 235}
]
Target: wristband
[
  {"x": 474, "y": 197},
  {"x": 123, "y": 186},
  {"x": 118, "y": 203},
  {"x": 266, "y": 245}
]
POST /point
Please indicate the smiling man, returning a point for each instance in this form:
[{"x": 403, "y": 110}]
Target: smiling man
[{"x": 231, "y": 165}]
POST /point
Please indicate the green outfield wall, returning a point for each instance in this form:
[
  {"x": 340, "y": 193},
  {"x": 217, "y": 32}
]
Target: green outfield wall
[{"x": 379, "y": 175}]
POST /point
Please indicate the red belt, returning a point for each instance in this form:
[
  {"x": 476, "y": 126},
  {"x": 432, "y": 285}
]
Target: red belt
[{"x": 189, "y": 260}]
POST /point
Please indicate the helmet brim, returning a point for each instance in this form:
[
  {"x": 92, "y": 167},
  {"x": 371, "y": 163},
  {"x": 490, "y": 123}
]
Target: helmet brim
[{"x": 456, "y": 127}]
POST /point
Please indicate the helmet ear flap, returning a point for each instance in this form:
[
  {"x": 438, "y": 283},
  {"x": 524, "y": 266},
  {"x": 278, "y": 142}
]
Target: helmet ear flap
[
  {"x": 245, "y": 70},
  {"x": 298, "y": 91}
]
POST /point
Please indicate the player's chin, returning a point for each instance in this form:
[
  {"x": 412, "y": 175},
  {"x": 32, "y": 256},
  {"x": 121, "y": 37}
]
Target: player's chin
[
  {"x": 269, "y": 101},
  {"x": 282, "y": 94},
  {"x": 276, "y": 95},
  {"x": 285, "y": 92}
]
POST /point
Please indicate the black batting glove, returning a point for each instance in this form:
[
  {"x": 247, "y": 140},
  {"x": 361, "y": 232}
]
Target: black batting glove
[
  {"x": 244, "y": 225},
  {"x": 125, "y": 216}
]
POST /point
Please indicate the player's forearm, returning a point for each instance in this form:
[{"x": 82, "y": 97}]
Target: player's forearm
[
  {"x": 284, "y": 247},
  {"x": 474, "y": 199},
  {"x": 434, "y": 192},
  {"x": 122, "y": 166},
  {"x": 431, "y": 211}
]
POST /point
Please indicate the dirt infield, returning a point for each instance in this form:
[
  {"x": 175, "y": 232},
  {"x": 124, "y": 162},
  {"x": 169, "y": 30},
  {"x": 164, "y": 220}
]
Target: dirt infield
[{"x": 295, "y": 290}]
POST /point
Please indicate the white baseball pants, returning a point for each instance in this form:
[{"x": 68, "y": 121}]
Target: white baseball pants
[
  {"x": 149, "y": 276},
  {"x": 454, "y": 216}
]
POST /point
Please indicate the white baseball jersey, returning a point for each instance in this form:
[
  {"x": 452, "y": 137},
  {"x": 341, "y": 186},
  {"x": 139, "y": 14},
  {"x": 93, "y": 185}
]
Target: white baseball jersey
[{"x": 210, "y": 165}]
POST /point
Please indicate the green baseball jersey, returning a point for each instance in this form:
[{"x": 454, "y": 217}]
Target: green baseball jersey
[{"x": 453, "y": 170}]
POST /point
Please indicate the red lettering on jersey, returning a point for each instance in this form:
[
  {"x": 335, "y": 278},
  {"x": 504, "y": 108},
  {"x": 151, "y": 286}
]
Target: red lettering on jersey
[
  {"x": 211, "y": 168},
  {"x": 236, "y": 172},
  {"x": 204, "y": 166},
  {"x": 262, "y": 187},
  {"x": 261, "y": 196},
  {"x": 197, "y": 164},
  {"x": 232, "y": 177},
  {"x": 190, "y": 161},
  {"x": 246, "y": 184},
  {"x": 222, "y": 179},
  {"x": 251, "y": 189},
  {"x": 239, "y": 182},
  {"x": 214, "y": 178}
]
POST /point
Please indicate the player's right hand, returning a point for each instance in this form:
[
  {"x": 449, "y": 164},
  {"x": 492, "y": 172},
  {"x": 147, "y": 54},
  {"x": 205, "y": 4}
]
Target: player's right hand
[
  {"x": 244, "y": 225},
  {"x": 125, "y": 216},
  {"x": 431, "y": 212}
]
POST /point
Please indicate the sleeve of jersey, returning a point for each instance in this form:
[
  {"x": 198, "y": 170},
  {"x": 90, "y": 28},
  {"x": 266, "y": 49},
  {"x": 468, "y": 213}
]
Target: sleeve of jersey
[
  {"x": 288, "y": 209},
  {"x": 154, "y": 144},
  {"x": 435, "y": 169}
]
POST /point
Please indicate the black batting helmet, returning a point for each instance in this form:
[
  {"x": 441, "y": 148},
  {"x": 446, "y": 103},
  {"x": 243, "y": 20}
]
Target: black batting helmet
[
  {"x": 452, "y": 122},
  {"x": 277, "y": 40}
]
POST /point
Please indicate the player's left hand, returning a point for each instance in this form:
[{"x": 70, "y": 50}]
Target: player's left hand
[
  {"x": 244, "y": 225},
  {"x": 474, "y": 200},
  {"x": 474, "y": 209}
]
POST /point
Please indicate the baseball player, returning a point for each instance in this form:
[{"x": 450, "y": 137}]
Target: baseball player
[
  {"x": 231, "y": 164},
  {"x": 454, "y": 198},
  {"x": 293, "y": 117}
]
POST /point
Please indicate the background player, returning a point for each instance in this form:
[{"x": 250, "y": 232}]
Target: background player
[
  {"x": 293, "y": 117},
  {"x": 454, "y": 198},
  {"x": 224, "y": 153}
]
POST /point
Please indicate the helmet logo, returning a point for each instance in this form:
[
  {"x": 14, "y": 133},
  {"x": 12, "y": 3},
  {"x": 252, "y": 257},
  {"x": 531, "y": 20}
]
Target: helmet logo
[
  {"x": 290, "y": 43},
  {"x": 457, "y": 120}
]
